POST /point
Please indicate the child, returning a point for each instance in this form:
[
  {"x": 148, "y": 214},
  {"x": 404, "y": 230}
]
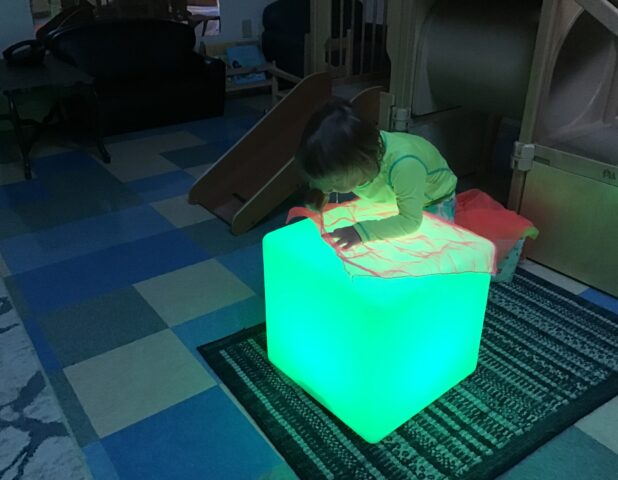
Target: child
[{"x": 340, "y": 152}]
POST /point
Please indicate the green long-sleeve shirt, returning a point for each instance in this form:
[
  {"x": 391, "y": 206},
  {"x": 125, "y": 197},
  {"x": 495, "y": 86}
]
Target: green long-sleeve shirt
[{"x": 413, "y": 174}]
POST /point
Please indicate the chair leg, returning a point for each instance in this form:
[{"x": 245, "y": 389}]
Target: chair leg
[
  {"x": 96, "y": 124},
  {"x": 19, "y": 135}
]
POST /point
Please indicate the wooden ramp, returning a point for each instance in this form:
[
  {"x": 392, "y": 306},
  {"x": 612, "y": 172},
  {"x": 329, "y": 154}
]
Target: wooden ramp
[{"x": 258, "y": 173}]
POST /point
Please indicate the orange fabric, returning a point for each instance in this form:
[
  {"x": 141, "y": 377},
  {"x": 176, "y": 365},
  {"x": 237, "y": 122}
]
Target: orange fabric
[
  {"x": 437, "y": 247},
  {"x": 481, "y": 214}
]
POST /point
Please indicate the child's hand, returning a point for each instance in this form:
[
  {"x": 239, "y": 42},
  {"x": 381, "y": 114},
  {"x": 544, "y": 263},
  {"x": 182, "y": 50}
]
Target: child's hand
[{"x": 346, "y": 237}]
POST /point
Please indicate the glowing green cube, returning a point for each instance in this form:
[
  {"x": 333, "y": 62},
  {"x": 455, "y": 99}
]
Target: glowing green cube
[{"x": 373, "y": 351}]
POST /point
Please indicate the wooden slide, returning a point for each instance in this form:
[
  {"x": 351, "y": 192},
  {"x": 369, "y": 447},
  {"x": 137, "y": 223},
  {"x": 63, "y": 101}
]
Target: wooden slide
[
  {"x": 258, "y": 173},
  {"x": 367, "y": 104}
]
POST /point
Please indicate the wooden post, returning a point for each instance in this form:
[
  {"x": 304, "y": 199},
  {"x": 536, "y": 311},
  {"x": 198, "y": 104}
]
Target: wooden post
[
  {"x": 321, "y": 15},
  {"x": 400, "y": 44},
  {"x": 349, "y": 53},
  {"x": 384, "y": 33},
  {"x": 537, "y": 85}
]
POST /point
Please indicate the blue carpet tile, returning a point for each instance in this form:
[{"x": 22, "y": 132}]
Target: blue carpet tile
[{"x": 61, "y": 284}]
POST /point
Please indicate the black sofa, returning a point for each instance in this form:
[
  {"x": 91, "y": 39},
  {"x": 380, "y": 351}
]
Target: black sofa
[{"x": 146, "y": 72}]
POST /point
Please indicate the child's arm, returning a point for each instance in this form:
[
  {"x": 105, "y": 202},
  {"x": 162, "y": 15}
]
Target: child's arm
[{"x": 407, "y": 178}]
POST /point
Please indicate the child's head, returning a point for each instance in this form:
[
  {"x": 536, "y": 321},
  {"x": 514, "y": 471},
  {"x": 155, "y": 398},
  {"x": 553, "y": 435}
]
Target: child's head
[{"x": 339, "y": 150}]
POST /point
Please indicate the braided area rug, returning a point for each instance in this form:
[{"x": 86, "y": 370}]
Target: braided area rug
[{"x": 547, "y": 358}]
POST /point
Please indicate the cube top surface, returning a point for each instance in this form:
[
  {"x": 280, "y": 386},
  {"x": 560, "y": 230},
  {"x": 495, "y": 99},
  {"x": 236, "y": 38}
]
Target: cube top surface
[{"x": 436, "y": 248}]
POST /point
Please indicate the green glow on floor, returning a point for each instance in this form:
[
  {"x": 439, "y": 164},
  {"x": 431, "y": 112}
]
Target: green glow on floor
[{"x": 373, "y": 351}]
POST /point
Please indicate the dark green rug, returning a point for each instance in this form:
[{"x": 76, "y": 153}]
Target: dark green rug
[{"x": 547, "y": 359}]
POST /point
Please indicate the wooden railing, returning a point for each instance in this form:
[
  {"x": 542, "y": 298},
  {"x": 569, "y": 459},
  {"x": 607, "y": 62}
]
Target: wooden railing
[{"x": 352, "y": 47}]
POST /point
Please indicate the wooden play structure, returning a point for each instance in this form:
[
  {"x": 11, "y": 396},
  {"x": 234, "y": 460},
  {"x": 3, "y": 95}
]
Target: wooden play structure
[
  {"x": 258, "y": 173},
  {"x": 457, "y": 71},
  {"x": 566, "y": 159},
  {"x": 352, "y": 48},
  {"x": 549, "y": 67},
  {"x": 274, "y": 75}
]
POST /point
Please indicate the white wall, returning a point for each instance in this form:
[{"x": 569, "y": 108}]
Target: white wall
[
  {"x": 15, "y": 22},
  {"x": 233, "y": 12}
]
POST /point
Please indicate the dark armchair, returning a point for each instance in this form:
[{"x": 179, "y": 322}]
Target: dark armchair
[{"x": 146, "y": 72}]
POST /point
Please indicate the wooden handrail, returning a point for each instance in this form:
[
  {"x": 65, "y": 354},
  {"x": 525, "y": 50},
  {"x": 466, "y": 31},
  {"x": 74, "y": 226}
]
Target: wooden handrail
[
  {"x": 265, "y": 67},
  {"x": 277, "y": 72}
]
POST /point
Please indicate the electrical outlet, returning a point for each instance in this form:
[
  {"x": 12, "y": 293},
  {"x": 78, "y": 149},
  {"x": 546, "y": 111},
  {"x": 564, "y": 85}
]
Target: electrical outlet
[{"x": 247, "y": 29}]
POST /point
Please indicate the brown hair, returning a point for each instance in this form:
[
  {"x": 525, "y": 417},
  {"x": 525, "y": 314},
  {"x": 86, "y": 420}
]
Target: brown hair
[{"x": 336, "y": 140}]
